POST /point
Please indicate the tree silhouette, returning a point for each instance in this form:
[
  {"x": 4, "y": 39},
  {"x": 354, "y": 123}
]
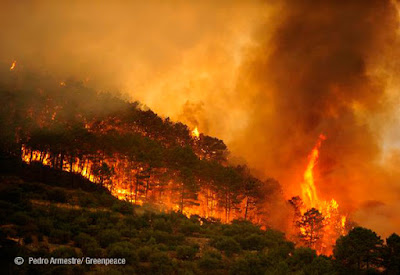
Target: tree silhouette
[
  {"x": 311, "y": 225},
  {"x": 229, "y": 189},
  {"x": 360, "y": 248},
  {"x": 391, "y": 254},
  {"x": 188, "y": 189},
  {"x": 104, "y": 173}
]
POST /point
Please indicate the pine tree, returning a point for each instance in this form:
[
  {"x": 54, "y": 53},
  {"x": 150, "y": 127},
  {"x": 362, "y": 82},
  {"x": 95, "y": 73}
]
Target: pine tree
[{"x": 311, "y": 227}]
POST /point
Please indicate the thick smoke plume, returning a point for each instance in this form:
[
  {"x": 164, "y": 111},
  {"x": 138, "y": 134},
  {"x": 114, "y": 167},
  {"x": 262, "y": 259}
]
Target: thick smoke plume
[
  {"x": 325, "y": 70},
  {"x": 268, "y": 77}
]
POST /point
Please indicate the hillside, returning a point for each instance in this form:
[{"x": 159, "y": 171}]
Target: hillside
[
  {"x": 55, "y": 219},
  {"x": 127, "y": 148},
  {"x": 86, "y": 174}
]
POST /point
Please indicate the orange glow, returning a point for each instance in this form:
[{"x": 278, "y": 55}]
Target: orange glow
[
  {"x": 13, "y": 65},
  {"x": 195, "y": 133},
  {"x": 124, "y": 183},
  {"x": 333, "y": 223},
  {"x": 131, "y": 182},
  {"x": 308, "y": 189}
]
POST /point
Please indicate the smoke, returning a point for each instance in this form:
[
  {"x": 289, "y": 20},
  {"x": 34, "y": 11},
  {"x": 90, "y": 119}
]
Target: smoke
[
  {"x": 266, "y": 76},
  {"x": 325, "y": 69},
  {"x": 157, "y": 52}
]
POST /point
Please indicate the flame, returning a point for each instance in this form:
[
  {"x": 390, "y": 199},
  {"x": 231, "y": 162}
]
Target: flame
[
  {"x": 121, "y": 184},
  {"x": 343, "y": 224},
  {"x": 124, "y": 185},
  {"x": 13, "y": 65},
  {"x": 333, "y": 223},
  {"x": 195, "y": 133},
  {"x": 308, "y": 189}
]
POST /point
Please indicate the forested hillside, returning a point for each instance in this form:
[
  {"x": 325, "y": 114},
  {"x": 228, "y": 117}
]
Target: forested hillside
[
  {"x": 62, "y": 218},
  {"x": 85, "y": 173},
  {"x": 125, "y": 147}
]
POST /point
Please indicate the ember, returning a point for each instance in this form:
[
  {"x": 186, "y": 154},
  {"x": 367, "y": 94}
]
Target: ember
[
  {"x": 13, "y": 65},
  {"x": 195, "y": 133}
]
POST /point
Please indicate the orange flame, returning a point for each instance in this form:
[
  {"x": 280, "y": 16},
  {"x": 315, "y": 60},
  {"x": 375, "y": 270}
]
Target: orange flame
[
  {"x": 122, "y": 183},
  {"x": 334, "y": 223},
  {"x": 195, "y": 133},
  {"x": 13, "y": 65},
  {"x": 308, "y": 189}
]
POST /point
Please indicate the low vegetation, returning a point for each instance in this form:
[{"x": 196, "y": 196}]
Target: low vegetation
[{"x": 53, "y": 219}]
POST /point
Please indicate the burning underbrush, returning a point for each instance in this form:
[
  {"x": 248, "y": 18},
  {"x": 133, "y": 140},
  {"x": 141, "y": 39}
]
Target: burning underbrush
[{"x": 170, "y": 189}]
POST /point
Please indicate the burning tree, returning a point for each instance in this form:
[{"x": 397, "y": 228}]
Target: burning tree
[
  {"x": 252, "y": 188},
  {"x": 139, "y": 156},
  {"x": 311, "y": 227},
  {"x": 104, "y": 172},
  {"x": 140, "y": 176},
  {"x": 187, "y": 189},
  {"x": 297, "y": 204},
  {"x": 254, "y": 191},
  {"x": 316, "y": 219},
  {"x": 229, "y": 189}
]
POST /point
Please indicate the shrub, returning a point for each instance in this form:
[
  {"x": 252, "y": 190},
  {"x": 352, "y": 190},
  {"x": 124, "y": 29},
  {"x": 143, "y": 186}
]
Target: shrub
[
  {"x": 89, "y": 245},
  {"x": 83, "y": 239},
  {"x": 210, "y": 261},
  {"x": 161, "y": 264},
  {"x": 189, "y": 228},
  {"x": 185, "y": 252},
  {"x": 144, "y": 253},
  {"x": 45, "y": 225},
  {"x": 122, "y": 207},
  {"x": 321, "y": 265},
  {"x": 162, "y": 225},
  {"x": 166, "y": 238},
  {"x": 108, "y": 237},
  {"x": 86, "y": 200},
  {"x": 59, "y": 236},
  {"x": 227, "y": 245},
  {"x": 92, "y": 249},
  {"x": 9, "y": 232},
  {"x": 123, "y": 250},
  {"x": 252, "y": 242},
  {"x": 20, "y": 218},
  {"x": 64, "y": 252},
  {"x": 302, "y": 257},
  {"x": 28, "y": 239},
  {"x": 106, "y": 200},
  {"x": 57, "y": 194},
  {"x": 11, "y": 194},
  {"x": 161, "y": 236},
  {"x": 281, "y": 268},
  {"x": 249, "y": 264}
]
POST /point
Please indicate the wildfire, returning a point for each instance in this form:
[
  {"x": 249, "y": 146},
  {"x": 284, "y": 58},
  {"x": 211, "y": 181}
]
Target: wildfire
[
  {"x": 308, "y": 189},
  {"x": 343, "y": 221},
  {"x": 332, "y": 224},
  {"x": 195, "y": 133},
  {"x": 13, "y": 65},
  {"x": 130, "y": 184},
  {"x": 318, "y": 222}
]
